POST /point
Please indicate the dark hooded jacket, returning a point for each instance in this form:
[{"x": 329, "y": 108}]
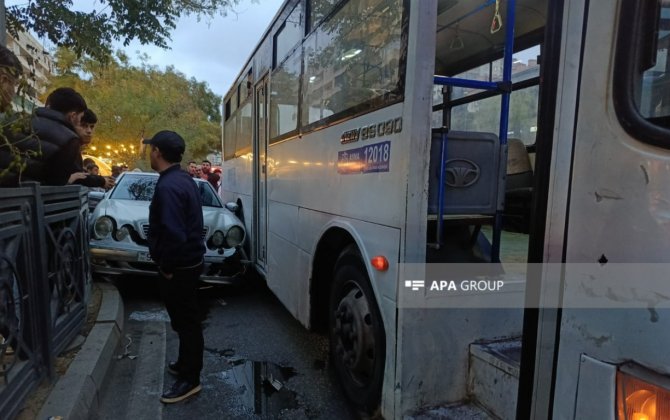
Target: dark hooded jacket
[{"x": 50, "y": 147}]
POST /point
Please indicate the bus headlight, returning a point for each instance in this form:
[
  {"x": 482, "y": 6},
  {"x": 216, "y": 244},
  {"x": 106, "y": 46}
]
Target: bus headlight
[
  {"x": 234, "y": 236},
  {"x": 122, "y": 233},
  {"x": 217, "y": 239},
  {"x": 103, "y": 227}
]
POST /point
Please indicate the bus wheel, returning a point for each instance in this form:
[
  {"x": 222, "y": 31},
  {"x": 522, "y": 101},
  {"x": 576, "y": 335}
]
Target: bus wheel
[{"x": 357, "y": 340}]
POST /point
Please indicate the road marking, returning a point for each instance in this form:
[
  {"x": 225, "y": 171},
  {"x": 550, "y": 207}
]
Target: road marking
[{"x": 147, "y": 386}]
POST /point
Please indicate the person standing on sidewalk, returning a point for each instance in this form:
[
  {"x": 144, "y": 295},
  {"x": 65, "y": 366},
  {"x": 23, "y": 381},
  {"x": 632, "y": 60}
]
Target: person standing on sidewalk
[{"x": 176, "y": 245}]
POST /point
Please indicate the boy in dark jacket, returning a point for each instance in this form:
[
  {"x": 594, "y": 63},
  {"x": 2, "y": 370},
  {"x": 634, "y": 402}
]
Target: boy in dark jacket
[
  {"x": 85, "y": 130},
  {"x": 47, "y": 147}
]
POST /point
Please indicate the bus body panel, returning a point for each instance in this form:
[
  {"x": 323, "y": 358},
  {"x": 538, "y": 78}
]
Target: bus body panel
[
  {"x": 371, "y": 240},
  {"x": 293, "y": 237},
  {"x": 618, "y": 216},
  {"x": 237, "y": 178},
  {"x": 288, "y": 267},
  {"x": 433, "y": 368},
  {"x": 303, "y": 171},
  {"x": 236, "y": 186}
]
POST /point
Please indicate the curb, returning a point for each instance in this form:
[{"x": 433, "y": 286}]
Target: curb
[{"x": 76, "y": 394}]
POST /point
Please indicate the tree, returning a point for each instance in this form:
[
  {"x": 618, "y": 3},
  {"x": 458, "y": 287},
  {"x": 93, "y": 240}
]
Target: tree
[
  {"x": 132, "y": 102},
  {"x": 92, "y": 33}
]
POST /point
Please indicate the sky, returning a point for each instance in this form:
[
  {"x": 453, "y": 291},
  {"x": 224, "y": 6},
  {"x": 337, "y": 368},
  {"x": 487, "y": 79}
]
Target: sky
[{"x": 213, "y": 50}]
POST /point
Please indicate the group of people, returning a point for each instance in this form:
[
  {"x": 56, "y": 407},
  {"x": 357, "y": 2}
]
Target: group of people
[
  {"x": 204, "y": 171},
  {"x": 46, "y": 147},
  {"x": 118, "y": 170}
]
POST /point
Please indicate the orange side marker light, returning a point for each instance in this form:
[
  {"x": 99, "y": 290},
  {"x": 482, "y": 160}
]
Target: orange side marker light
[{"x": 380, "y": 263}]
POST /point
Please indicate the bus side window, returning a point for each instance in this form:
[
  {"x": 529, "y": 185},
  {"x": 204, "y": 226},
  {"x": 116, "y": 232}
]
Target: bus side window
[
  {"x": 642, "y": 71},
  {"x": 288, "y": 36}
]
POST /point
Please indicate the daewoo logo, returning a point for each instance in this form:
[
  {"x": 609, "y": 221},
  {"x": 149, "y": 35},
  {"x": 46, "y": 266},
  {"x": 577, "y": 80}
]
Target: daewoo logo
[{"x": 461, "y": 173}]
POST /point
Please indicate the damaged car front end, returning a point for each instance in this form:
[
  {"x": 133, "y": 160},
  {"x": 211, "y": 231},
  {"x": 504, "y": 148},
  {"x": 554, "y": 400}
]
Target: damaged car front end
[{"x": 120, "y": 227}]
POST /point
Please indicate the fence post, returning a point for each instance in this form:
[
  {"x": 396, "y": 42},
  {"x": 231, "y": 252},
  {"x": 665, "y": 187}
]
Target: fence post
[{"x": 42, "y": 288}]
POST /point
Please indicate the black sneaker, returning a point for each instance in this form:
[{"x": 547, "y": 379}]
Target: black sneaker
[
  {"x": 173, "y": 369},
  {"x": 180, "y": 391}
]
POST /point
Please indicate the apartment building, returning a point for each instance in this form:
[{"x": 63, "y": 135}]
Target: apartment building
[{"x": 37, "y": 66}]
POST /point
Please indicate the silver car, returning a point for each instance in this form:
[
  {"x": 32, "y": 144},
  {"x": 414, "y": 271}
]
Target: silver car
[{"x": 120, "y": 224}]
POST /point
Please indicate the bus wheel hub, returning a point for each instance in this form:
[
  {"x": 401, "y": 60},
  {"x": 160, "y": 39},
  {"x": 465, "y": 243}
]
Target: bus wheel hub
[{"x": 355, "y": 339}]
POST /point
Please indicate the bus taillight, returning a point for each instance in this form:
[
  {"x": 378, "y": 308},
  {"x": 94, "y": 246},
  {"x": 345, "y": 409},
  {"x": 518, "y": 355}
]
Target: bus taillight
[{"x": 640, "y": 399}]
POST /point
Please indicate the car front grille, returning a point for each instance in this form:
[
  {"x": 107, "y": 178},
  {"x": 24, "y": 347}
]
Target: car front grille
[{"x": 145, "y": 231}]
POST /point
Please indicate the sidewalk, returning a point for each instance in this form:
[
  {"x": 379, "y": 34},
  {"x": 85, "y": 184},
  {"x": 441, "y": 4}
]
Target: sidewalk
[{"x": 76, "y": 393}]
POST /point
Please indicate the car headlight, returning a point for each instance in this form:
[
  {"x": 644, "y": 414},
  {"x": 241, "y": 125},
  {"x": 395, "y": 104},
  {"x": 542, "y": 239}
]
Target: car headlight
[
  {"x": 217, "y": 239},
  {"x": 103, "y": 227},
  {"x": 234, "y": 236},
  {"x": 122, "y": 233}
]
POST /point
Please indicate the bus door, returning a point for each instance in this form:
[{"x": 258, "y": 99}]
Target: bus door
[
  {"x": 260, "y": 170},
  {"x": 618, "y": 222}
]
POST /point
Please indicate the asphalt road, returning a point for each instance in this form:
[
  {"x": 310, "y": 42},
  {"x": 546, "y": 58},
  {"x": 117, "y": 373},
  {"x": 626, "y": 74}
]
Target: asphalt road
[{"x": 259, "y": 361}]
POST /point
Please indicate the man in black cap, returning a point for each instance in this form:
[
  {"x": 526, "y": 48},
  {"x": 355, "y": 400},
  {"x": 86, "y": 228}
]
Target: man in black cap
[{"x": 175, "y": 243}]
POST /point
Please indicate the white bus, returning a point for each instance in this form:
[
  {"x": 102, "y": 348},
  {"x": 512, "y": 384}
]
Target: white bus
[{"x": 365, "y": 138}]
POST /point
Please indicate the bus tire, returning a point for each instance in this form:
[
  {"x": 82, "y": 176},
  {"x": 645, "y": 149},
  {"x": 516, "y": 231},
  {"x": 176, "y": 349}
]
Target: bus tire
[{"x": 356, "y": 332}]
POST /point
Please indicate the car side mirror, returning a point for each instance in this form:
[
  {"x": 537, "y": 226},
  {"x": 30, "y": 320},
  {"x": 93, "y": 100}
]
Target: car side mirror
[{"x": 232, "y": 207}]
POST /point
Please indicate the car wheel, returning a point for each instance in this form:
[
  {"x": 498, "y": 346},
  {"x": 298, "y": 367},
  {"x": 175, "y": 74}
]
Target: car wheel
[{"x": 357, "y": 339}]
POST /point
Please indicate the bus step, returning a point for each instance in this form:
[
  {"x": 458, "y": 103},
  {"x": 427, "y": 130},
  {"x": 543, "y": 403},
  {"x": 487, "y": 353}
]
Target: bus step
[{"x": 493, "y": 376}]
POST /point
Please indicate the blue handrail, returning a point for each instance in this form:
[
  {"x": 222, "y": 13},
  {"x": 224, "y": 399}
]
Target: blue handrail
[
  {"x": 504, "y": 117},
  {"x": 466, "y": 83}
]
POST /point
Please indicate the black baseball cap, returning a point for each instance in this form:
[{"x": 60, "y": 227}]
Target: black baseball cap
[{"x": 167, "y": 141}]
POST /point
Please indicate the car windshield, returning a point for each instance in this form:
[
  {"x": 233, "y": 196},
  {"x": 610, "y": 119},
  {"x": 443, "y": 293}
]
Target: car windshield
[
  {"x": 141, "y": 188},
  {"x": 135, "y": 187},
  {"x": 208, "y": 195}
]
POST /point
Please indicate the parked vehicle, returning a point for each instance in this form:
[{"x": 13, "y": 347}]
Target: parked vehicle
[{"x": 120, "y": 224}]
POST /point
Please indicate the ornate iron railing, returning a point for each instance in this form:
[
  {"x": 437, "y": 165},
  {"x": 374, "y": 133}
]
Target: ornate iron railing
[{"x": 44, "y": 283}]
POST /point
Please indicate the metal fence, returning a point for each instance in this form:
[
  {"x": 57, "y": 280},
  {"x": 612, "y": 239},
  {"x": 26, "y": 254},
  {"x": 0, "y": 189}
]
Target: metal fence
[{"x": 44, "y": 284}]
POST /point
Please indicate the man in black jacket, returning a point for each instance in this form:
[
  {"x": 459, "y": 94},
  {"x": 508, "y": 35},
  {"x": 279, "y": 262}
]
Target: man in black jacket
[{"x": 175, "y": 243}]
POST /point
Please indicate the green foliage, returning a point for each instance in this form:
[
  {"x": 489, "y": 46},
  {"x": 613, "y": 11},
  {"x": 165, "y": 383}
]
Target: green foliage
[
  {"x": 92, "y": 33},
  {"x": 132, "y": 102},
  {"x": 14, "y": 130}
]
